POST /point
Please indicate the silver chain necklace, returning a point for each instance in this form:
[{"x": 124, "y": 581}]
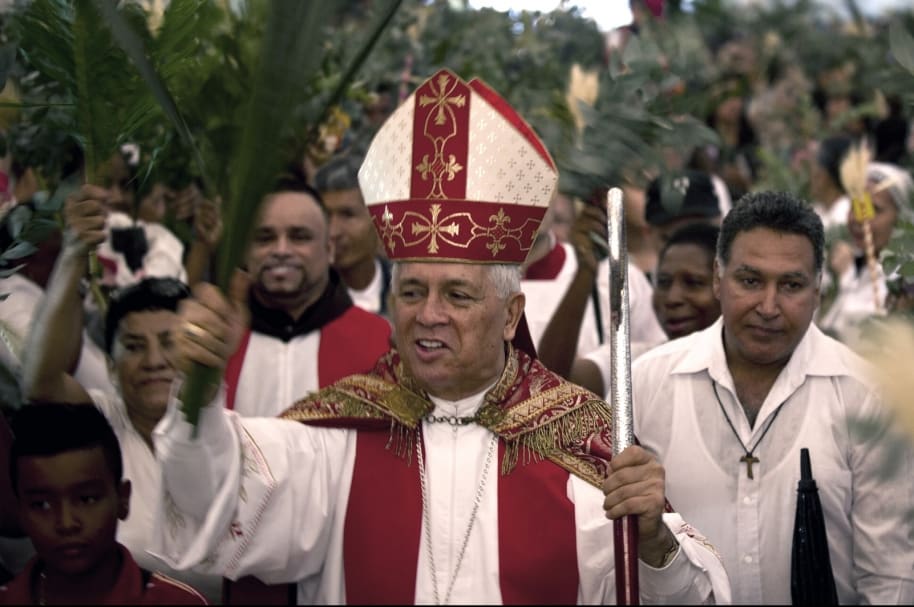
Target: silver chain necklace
[{"x": 426, "y": 517}]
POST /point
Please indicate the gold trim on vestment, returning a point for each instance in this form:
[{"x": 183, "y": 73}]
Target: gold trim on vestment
[{"x": 558, "y": 420}]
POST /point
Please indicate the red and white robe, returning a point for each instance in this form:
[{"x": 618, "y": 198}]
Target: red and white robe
[{"x": 339, "y": 509}]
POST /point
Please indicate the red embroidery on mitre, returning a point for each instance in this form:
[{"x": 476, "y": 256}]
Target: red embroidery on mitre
[
  {"x": 453, "y": 211},
  {"x": 441, "y": 127},
  {"x": 456, "y": 230}
]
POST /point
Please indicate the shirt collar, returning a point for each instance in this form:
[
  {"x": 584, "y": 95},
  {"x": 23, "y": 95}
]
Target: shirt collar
[
  {"x": 815, "y": 355},
  {"x": 459, "y": 408}
]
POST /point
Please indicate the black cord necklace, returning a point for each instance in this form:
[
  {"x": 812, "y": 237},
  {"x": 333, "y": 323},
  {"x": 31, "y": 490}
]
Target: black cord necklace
[{"x": 749, "y": 458}]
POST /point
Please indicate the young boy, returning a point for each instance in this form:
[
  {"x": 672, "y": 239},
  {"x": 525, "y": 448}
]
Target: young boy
[{"x": 66, "y": 472}]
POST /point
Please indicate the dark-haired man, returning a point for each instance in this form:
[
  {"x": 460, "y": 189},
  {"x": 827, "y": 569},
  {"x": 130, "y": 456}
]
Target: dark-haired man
[
  {"x": 355, "y": 242},
  {"x": 67, "y": 474},
  {"x": 740, "y": 399},
  {"x": 305, "y": 331},
  {"x": 139, "y": 337}
]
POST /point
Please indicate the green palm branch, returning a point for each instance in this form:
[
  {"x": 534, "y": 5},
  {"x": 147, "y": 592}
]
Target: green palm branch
[
  {"x": 102, "y": 106},
  {"x": 289, "y": 57}
]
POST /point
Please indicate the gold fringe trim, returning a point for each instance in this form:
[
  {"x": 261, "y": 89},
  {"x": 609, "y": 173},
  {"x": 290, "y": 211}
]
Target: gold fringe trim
[
  {"x": 551, "y": 441},
  {"x": 557, "y": 423},
  {"x": 361, "y": 397},
  {"x": 401, "y": 441}
]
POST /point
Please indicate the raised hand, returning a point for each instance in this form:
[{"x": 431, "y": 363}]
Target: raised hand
[
  {"x": 212, "y": 324},
  {"x": 588, "y": 236},
  {"x": 85, "y": 213}
]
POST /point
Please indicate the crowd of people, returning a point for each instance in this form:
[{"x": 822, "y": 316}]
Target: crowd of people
[{"x": 415, "y": 368}]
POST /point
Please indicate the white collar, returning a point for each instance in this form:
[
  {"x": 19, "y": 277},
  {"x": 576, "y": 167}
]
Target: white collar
[
  {"x": 815, "y": 355},
  {"x": 465, "y": 407}
]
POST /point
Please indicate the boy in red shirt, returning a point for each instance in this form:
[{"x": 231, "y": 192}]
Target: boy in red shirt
[{"x": 66, "y": 472}]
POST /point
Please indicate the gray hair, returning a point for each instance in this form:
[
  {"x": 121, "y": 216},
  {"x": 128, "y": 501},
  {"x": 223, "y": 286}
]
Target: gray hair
[
  {"x": 897, "y": 182},
  {"x": 504, "y": 277}
]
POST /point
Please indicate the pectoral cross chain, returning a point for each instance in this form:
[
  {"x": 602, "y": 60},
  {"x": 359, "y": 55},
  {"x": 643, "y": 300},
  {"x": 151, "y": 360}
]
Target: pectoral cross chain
[{"x": 749, "y": 458}]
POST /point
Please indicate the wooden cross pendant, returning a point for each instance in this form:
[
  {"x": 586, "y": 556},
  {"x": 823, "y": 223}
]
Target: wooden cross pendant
[{"x": 749, "y": 459}]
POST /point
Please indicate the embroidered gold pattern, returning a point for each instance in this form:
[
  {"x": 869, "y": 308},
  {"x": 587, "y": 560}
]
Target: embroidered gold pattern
[
  {"x": 437, "y": 228},
  {"x": 693, "y": 533},
  {"x": 389, "y": 229},
  {"x": 498, "y": 232},
  {"x": 434, "y": 228},
  {"x": 550, "y": 419},
  {"x": 441, "y": 99},
  {"x": 444, "y": 101}
]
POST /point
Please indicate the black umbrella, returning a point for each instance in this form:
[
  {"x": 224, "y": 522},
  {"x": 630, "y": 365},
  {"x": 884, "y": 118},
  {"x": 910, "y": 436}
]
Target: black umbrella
[{"x": 811, "y": 579}]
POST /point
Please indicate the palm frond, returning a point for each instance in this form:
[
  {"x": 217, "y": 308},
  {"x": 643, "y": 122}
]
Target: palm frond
[
  {"x": 293, "y": 39},
  {"x": 133, "y": 44},
  {"x": 87, "y": 75},
  {"x": 853, "y": 170}
]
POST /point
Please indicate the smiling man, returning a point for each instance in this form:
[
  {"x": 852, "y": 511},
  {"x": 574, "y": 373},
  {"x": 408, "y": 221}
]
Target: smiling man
[
  {"x": 727, "y": 410},
  {"x": 459, "y": 470},
  {"x": 305, "y": 331}
]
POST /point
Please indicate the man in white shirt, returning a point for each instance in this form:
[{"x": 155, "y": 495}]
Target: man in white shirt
[
  {"x": 460, "y": 469},
  {"x": 727, "y": 410}
]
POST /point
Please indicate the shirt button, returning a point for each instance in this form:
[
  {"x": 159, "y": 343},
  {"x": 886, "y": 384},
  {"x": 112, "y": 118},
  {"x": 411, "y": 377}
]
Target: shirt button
[
  {"x": 747, "y": 500},
  {"x": 747, "y": 559}
]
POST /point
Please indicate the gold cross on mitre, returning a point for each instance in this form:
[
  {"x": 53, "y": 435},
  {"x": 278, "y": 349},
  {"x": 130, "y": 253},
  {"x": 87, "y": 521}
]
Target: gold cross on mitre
[
  {"x": 434, "y": 227},
  {"x": 441, "y": 99}
]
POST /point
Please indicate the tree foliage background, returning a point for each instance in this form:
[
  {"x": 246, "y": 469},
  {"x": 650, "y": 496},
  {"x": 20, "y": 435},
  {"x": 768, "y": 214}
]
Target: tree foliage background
[{"x": 633, "y": 103}]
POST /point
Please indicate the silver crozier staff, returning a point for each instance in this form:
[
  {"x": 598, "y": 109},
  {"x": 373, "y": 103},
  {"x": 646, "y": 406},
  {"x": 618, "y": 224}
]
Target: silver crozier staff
[{"x": 625, "y": 528}]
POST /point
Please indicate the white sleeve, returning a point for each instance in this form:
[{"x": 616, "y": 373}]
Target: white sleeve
[
  {"x": 646, "y": 331},
  {"x": 92, "y": 369},
  {"x": 695, "y": 575},
  {"x": 248, "y": 496}
]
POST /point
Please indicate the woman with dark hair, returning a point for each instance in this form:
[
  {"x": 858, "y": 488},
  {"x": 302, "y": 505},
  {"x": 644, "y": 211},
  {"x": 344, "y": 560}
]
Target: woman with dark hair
[
  {"x": 141, "y": 329},
  {"x": 683, "y": 297},
  {"x": 683, "y": 300}
]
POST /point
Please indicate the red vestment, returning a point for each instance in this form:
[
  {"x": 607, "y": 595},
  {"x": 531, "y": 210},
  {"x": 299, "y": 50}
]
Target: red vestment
[
  {"x": 134, "y": 586},
  {"x": 551, "y": 426}
]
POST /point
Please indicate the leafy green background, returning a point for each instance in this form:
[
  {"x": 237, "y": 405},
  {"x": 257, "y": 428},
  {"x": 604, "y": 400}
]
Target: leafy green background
[{"x": 76, "y": 88}]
